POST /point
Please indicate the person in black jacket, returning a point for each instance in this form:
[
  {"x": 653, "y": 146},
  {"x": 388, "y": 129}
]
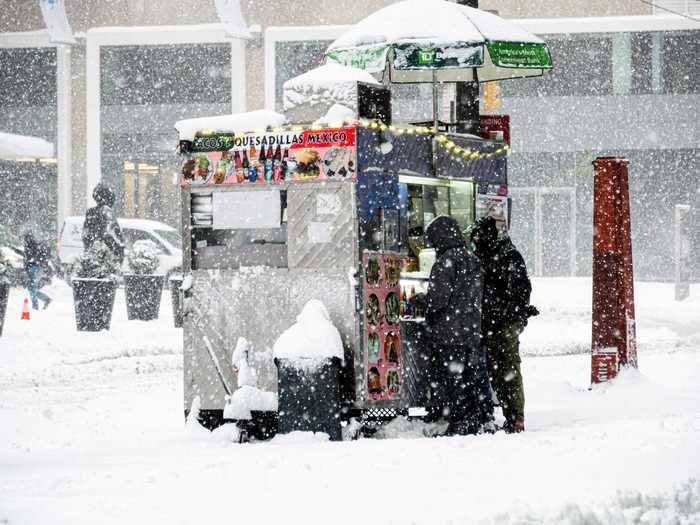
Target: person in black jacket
[
  {"x": 36, "y": 258},
  {"x": 460, "y": 388},
  {"x": 505, "y": 310},
  {"x": 101, "y": 224}
]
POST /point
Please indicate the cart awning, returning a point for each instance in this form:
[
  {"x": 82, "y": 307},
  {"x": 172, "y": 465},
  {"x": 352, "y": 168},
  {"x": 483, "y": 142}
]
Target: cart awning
[{"x": 22, "y": 147}]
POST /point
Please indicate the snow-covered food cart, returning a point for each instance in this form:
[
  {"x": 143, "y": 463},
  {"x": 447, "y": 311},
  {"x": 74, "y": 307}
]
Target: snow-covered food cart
[{"x": 275, "y": 218}]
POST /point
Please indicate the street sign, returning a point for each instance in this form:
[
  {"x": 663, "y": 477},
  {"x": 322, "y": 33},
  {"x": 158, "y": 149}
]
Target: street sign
[{"x": 495, "y": 127}]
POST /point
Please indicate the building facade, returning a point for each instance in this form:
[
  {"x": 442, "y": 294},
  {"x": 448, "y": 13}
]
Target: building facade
[{"x": 624, "y": 82}]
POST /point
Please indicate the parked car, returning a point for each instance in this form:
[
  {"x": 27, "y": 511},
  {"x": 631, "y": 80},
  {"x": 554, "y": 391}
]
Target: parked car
[{"x": 167, "y": 238}]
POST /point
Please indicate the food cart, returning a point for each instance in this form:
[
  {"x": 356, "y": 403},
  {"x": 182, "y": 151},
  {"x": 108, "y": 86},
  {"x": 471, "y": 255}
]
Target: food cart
[{"x": 274, "y": 218}]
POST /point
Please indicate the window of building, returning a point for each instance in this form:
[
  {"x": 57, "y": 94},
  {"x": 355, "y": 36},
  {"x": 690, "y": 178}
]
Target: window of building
[
  {"x": 29, "y": 106},
  {"x": 145, "y": 89},
  {"x": 166, "y": 74},
  {"x": 583, "y": 66},
  {"x": 680, "y": 72},
  {"x": 293, "y": 58},
  {"x": 686, "y": 7}
]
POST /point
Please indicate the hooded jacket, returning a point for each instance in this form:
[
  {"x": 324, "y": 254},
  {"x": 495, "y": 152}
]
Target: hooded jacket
[
  {"x": 101, "y": 224},
  {"x": 36, "y": 253},
  {"x": 453, "y": 301},
  {"x": 507, "y": 286}
]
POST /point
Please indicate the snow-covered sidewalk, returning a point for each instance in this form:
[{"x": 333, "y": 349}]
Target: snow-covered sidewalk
[{"x": 91, "y": 431}]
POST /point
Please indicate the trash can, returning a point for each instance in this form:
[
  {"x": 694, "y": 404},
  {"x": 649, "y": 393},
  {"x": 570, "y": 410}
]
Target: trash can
[
  {"x": 143, "y": 294},
  {"x": 176, "y": 299},
  {"x": 4, "y": 294},
  {"x": 309, "y": 396},
  {"x": 93, "y": 301},
  {"x": 416, "y": 363}
]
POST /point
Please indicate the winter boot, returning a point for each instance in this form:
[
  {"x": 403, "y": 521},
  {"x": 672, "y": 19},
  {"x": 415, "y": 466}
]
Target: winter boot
[{"x": 515, "y": 426}]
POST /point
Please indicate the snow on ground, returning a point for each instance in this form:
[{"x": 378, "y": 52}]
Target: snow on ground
[{"x": 92, "y": 431}]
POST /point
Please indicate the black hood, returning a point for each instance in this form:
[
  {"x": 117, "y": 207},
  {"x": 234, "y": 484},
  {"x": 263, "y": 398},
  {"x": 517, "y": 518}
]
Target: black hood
[
  {"x": 484, "y": 235},
  {"x": 103, "y": 195},
  {"x": 443, "y": 233}
]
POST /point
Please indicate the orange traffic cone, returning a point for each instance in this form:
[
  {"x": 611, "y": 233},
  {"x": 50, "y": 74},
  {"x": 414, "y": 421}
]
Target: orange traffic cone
[{"x": 25, "y": 309}]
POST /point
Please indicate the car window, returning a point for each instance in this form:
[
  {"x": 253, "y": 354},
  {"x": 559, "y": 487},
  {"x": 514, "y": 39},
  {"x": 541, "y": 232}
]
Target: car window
[
  {"x": 131, "y": 236},
  {"x": 171, "y": 236},
  {"x": 159, "y": 244}
]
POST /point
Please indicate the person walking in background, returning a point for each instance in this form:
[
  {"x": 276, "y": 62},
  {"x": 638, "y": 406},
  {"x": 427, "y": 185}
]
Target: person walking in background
[
  {"x": 505, "y": 311},
  {"x": 36, "y": 258},
  {"x": 101, "y": 223},
  {"x": 452, "y": 305}
]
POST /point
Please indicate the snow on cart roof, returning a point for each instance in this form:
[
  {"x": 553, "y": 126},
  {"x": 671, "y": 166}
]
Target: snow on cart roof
[
  {"x": 14, "y": 147},
  {"x": 330, "y": 83},
  {"x": 448, "y": 21},
  {"x": 237, "y": 122}
]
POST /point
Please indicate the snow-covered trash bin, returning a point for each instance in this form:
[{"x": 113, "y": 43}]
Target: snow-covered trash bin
[
  {"x": 308, "y": 356},
  {"x": 176, "y": 299}
]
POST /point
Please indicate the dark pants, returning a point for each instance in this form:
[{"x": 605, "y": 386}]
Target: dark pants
[
  {"x": 502, "y": 346},
  {"x": 460, "y": 386}
]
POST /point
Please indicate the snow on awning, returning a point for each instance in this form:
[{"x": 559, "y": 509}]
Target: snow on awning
[
  {"x": 23, "y": 147},
  {"x": 330, "y": 83},
  {"x": 237, "y": 123}
]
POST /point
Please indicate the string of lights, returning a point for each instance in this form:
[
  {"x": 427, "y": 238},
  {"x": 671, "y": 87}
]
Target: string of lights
[{"x": 442, "y": 139}]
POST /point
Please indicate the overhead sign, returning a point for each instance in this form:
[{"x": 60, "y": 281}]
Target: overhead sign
[
  {"x": 54, "y": 14},
  {"x": 228, "y": 158}
]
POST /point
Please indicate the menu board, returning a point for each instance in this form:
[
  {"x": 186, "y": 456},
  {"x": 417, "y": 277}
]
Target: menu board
[
  {"x": 382, "y": 330},
  {"x": 263, "y": 158}
]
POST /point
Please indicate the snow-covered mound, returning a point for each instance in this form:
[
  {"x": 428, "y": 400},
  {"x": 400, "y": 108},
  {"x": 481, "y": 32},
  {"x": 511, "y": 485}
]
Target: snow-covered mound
[
  {"x": 312, "y": 339},
  {"x": 247, "y": 398},
  {"x": 326, "y": 85},
  {"x": 336, "y": 116},
  {"x": 432, "y": 21},
  {"x": 235, "y": 123}
]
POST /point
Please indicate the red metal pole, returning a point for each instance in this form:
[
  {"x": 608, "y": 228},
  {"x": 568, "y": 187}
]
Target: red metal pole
[{"x": 614, "y": 334}]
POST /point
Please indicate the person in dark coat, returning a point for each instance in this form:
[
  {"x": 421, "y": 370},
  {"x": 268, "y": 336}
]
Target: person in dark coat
[
  {"x": 460, "y": 388},
  {"x": 505, "y": 311},
  {"x": 101, "y": 224},
  {"x": 36, "y": 259}
]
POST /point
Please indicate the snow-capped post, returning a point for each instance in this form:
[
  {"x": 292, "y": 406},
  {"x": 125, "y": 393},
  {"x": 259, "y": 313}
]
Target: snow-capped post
[
  {"x": 248, "y": 406},
  {"x": 308, "y": 356},
  {"x": 681, "y": 228},
  {"x": 467, "y": 96},
  {"x": 614, "y": 335}
]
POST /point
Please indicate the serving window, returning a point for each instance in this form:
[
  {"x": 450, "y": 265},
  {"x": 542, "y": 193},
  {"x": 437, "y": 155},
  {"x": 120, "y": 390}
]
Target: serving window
[{"x": 423, "y": 199}]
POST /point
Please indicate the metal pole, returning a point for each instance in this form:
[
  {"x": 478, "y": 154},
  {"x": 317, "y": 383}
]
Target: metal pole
[
  {"x": 467, "y": 96},
  {"x": 435, "y": 100}
]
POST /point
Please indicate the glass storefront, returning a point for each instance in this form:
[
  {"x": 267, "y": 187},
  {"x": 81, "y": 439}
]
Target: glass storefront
[
  {"x": 144, "y": 91},
  {"x": 28, "y": 106}
]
